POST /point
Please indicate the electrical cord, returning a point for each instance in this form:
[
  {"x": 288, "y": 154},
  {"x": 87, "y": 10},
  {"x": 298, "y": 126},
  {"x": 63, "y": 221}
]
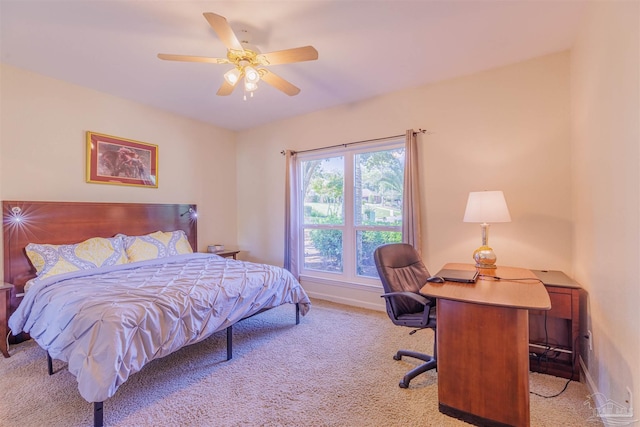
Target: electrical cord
[
  {"x": 575, "y": 354},
  {"x": 509, "y": 279},
  {"x": 545, "y": 353}
]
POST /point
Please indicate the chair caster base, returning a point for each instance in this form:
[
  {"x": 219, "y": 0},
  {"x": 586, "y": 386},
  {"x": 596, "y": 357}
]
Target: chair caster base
[{"x": 430, "y": 363}]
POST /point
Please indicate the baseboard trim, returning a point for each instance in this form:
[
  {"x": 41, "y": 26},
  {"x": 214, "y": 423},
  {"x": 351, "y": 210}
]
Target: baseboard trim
[
  {"x": 353, "y": 294},
  {"x": 345, "y": 301},
  {"x": 601, "y": 401},
  {"x": 591, "y": 385},
  {"x": 595, "y": 395}
]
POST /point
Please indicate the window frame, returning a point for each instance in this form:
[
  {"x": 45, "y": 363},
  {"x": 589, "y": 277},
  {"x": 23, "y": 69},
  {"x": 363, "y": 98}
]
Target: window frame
[{"x": 348, "y": 227}]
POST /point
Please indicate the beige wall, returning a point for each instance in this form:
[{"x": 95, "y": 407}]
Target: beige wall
[
  {"x": 605, "y": 76},
  {"x": 505, "y": 129},
  {"x": 42, "y": 148}
]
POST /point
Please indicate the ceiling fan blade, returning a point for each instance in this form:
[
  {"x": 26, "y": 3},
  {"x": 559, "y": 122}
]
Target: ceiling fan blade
[
  {"x": 187, "y": 58},
  {"x": 223, "y": 30},
  {"x": 287, "y": 56},
  {"x": 226, "y": 89},
  {"x": 278, "y": 82}
]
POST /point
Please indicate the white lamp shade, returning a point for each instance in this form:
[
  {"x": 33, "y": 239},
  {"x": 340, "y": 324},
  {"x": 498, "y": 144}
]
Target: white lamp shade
[
  {"x": 251, "y": 75},
  {"x": 486, "y": 207},
  {"x": 250, "y": 86},
  {"x": 232, "y": 76}
]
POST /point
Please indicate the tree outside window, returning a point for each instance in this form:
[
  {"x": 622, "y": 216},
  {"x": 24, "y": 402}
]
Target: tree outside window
[{"x": 338, "y": 225}]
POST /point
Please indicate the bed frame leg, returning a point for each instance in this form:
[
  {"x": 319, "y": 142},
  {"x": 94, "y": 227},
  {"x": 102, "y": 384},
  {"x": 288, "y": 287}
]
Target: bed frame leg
[
  {"x": 49, "y": 364},
  {"x": 297, "y": 313},
  {"x": 229, "y": 342},
  {"x": 97, "y": 414}
]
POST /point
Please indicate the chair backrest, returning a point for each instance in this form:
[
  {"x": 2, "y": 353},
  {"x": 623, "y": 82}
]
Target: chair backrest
[{"x": 401, "y": 269}]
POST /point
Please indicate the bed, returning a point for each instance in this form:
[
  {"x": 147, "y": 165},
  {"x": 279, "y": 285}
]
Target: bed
[{"x": 134, "y": 290}]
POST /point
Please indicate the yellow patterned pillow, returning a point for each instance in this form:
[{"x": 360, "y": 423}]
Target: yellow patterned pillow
[
  {"x": 156, "y": 245},
  {"x": 50, "y": 260}
]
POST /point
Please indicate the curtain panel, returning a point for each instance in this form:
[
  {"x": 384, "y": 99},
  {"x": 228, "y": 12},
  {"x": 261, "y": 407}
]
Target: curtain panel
[
  {"x": 291, "y": 231},
  {"x": 411, "y": 229}
]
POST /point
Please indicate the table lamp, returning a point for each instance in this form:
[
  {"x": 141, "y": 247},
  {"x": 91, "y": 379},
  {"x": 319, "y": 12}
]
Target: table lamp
[{"x": 486, "y": 207}]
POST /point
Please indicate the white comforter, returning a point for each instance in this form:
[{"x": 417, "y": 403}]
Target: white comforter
[{"x": 109, "y": 322}]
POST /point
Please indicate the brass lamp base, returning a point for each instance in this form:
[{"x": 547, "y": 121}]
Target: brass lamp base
[{"x": 485, "y": 257}]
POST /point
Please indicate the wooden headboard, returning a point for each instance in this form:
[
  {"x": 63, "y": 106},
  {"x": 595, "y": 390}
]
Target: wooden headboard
[{"x": 73, "y": 222}]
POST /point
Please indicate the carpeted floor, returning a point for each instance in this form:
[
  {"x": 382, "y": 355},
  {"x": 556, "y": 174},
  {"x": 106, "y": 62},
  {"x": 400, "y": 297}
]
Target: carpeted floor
[{"x": 334, "y": 369}]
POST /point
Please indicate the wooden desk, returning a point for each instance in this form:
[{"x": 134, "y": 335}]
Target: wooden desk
[{"x": 483, "y": 345}]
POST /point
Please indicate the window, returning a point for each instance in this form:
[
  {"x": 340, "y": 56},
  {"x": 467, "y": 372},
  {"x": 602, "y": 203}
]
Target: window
[{"x": 351, "y": 203}]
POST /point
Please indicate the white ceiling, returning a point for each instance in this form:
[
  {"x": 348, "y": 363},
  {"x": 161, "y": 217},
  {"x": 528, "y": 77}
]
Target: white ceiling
[{"x": 366, "y": 48}]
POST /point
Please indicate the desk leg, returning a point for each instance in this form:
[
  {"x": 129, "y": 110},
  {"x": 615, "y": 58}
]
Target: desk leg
[{"x": 483, "y": 363}]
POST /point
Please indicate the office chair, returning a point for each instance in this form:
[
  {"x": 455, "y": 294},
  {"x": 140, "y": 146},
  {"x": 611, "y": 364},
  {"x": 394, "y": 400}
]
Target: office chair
[{"x": 403, "y": 273}]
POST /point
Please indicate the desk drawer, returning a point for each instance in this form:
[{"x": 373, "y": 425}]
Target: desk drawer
[{"x": 560, "y": 306}]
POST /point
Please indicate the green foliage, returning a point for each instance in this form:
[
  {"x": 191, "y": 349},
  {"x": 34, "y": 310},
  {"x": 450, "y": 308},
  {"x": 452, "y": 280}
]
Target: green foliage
[
  {"x": 368, "y": 242},
  {"x": 383, "y": 172},
  {"x": 323, "y": 186},
  {"x": 380, "y": 172},
  {"x": 329, "y": 244}
]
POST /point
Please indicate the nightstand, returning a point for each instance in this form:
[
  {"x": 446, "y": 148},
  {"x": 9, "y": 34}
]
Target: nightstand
[
  {"x": 5, "y": 296},
  {"x": 227, "y": 253}
]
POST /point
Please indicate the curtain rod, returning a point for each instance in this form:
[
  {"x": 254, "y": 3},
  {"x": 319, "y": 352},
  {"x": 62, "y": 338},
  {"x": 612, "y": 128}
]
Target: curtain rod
[{"x": 346, "y": 144}]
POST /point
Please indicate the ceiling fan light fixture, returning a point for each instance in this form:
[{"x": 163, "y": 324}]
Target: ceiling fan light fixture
[
  {"x": 250, "y": 86},
  {"x": 251, "y": 75},
  {"x": 232, "y": 76},
  {"x": 248, "y": 63}
]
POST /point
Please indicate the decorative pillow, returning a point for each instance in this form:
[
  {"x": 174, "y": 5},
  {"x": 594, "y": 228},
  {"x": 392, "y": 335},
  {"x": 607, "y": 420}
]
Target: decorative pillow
[
  {"x": 50, "y": 260},
  {"x": 156, "y": 245}
]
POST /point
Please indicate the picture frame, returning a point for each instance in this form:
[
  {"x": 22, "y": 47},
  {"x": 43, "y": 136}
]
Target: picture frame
[{"x": 121, "y": 161}]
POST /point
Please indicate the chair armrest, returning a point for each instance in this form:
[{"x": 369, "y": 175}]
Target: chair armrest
[{"x": 419, "y": 298}]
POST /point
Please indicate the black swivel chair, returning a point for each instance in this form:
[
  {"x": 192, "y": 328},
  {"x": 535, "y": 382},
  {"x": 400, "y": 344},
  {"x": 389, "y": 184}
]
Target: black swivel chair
[{"x": 403, "y": 273}]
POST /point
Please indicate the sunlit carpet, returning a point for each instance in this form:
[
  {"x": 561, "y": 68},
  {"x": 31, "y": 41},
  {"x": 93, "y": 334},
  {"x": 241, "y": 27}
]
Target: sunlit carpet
[{"x": 333, "y": 369}]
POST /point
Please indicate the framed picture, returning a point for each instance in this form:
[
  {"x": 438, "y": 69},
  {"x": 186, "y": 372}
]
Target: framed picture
[{"x": 113, "y": 160}]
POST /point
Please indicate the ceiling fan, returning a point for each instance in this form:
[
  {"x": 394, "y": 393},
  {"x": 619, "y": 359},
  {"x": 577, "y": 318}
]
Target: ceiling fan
[{"x": 249, "y": 64}]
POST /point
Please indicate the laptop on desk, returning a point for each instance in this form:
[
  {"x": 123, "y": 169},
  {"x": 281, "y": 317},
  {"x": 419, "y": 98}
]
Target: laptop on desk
[{"x": 460, "y": 276}]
